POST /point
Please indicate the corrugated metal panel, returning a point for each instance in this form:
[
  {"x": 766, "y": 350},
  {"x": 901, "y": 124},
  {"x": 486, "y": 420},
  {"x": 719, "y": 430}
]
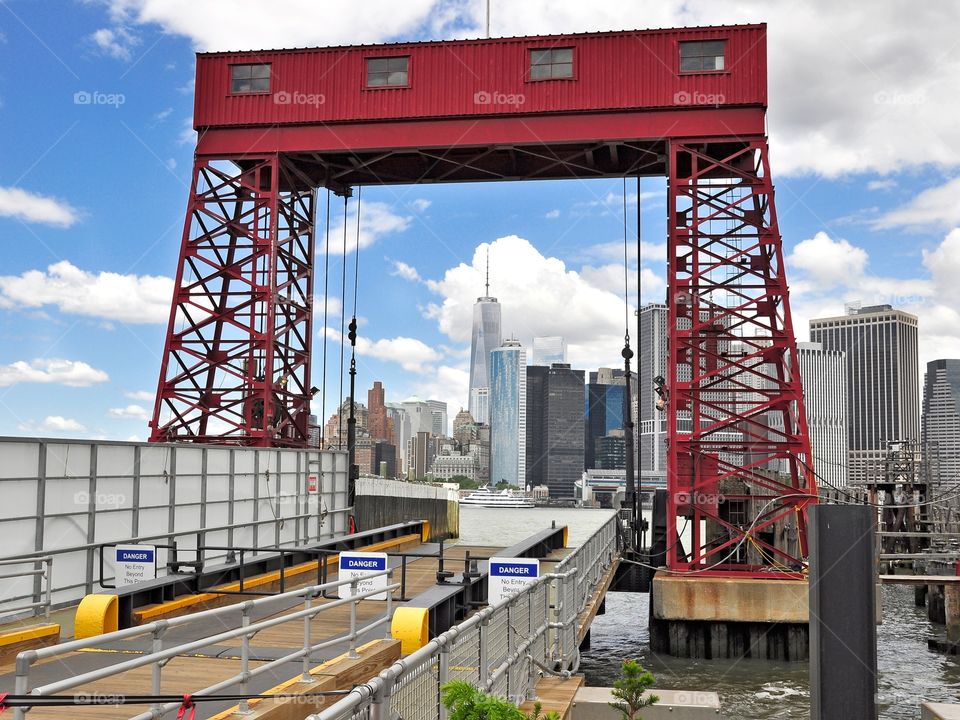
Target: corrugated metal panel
[{"x": 613, "y": 71}]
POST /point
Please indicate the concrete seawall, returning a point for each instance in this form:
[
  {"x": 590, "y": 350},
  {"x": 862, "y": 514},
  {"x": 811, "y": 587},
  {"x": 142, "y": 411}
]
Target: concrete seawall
[{"x": 382, "y": 502}]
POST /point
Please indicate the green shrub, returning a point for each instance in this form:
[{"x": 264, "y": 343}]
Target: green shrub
[{"x": 629, "y": 689}]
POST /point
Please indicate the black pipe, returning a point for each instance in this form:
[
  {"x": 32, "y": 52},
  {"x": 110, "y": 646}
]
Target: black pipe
[{"x": 630, "y": 496}]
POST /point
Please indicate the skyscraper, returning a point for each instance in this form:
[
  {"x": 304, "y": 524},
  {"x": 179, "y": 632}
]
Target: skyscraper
[
  {"x": 824, "y": 377},
  {"x": 438, "y": 412},
  {"x": 555, "y": 428},
  {"x": 549, "y": 350},
  {"x": 605, "y": 408},
  {"x": 883, "y": 405},
  {"x": 508, "y": 414},
  {"x": 377, "y": 413},
  {"x": 941, "y": 420},
  {"x": 651, "y": 422},
  {"x": 484, "y": 340}
]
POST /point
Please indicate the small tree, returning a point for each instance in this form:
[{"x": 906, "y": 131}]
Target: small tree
[
  {"x": 629, "y": 689},
  {"x": 465, "y": 702}
]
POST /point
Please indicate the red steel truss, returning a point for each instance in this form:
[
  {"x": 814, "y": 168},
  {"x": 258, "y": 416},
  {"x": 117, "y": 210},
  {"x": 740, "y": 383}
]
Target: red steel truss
[
  {"x": 236, "y": 365},
  {"x": 739, "y": 452}
]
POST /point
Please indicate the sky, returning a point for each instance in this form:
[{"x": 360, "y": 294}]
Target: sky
[{"x": 96, "y": 100}]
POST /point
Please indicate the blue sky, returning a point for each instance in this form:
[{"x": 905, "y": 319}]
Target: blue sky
[{"x": 95, "y": 106}]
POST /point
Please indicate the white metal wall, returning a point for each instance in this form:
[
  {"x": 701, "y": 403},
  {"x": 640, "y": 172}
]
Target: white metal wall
[{"x": 65, "y": 497}]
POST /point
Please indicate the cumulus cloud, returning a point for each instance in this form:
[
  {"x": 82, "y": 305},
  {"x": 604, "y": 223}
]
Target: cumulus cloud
[
  {"x": 141, "y": 395},
  {"x": 72, "y": 373},
  {"x": 827, "y": 261},
  {"x": 532, "y": 290},
  {"x": 137, "y": 412},
  {"x": 52, "y": 423},
  {"x": 117, "y": 42},
  {"x": 421, "y": 204},
  {"x": 107, "y": 295},
  {"x": 411, "y": 354},
  {"x": 407, "y": 272},
  {"x": 552, "y": 214},
  {"x": 35, "y": 208},
  {"x": 937, "y": 206},
  {"x": 888, "y": 184},
  {"x": 377, "y": 220}
]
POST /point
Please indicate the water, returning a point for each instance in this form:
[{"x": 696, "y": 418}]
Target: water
[{"x": 909, "y": 673}]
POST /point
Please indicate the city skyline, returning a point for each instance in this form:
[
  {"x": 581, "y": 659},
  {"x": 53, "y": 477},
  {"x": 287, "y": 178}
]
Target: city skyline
[{"x": 84, "y": 295}]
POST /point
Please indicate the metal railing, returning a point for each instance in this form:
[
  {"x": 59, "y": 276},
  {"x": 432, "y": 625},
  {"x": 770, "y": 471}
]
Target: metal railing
[
  {"x": 160, "y": 655},
  {"x": 503, "y": 649},
  {"x": 43, "y": 571}
]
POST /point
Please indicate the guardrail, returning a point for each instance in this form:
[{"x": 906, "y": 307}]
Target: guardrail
[
  {"x": 503, "y": 649},
  {"x": 159, "y": 655},
  {"x": 42, "y": 571}
]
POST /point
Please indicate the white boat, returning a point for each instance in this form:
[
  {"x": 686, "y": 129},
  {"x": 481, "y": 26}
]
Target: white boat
[{"x": 489, "y": 497}]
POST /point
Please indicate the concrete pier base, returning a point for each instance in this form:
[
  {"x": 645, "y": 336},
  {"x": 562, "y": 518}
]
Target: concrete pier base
[{"x": 717, "y": 618}]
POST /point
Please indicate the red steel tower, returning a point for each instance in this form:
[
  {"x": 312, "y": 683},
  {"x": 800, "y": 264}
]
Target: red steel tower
[{"x": 687, "y": 104}]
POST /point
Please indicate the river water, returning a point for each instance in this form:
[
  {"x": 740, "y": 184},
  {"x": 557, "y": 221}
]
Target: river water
[{"x": 749, "y": 689}]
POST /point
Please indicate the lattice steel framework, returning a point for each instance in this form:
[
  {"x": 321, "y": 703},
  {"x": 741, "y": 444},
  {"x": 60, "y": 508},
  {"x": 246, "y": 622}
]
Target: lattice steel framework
[
  {"x": 236, "y": 364},
  {"x": 739, "y": 452}
]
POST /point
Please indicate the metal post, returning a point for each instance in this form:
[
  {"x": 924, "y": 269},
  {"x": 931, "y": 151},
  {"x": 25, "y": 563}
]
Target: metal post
[
  {"x": 156, "y": 670},
  {"x": 484, "y": 661},
  {"x": 305, "y": 675},
  {"x": 843, "y": 630},
  {"x": 21, "y": 685},
  {"x": 49, "y": 564},
  {"x": 244, "y": 706},
  {"x": 443, "y": 674},
  {"x": 511, "y": 648},
  {"x": 353, "y": 620},
  {"x": 389, "y": 603}
]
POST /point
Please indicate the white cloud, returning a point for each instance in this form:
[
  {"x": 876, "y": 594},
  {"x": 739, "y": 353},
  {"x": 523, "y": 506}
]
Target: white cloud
[
  {"x": 141, "y": 395},
  {"x": 377, "y": 220},
  {"x": 254, "y": 25},
  {"x": 411, "y": 354},
  {"x": 129, "y": 411},
  {"x": 421, "y": 204},
  {"x": 532, "y": 290},
  {"x": 52, "y": 423},
  {"x": 35, "y": 208},
  {"x": 841, "y": 92},
  {"x": 117, "y": 42},
  {"x": 112, "y": 296},
  {"x": 51, "y": 372},
  {"x": 187, "y": 136},
  {"x": 162, "y": 115},
  {"x": 407, "y": 272},
  {"x": 888, "y": 184},
  {"x": 937, "y": 206},
  {"x": 552, "y": 215},
  {"x": 827, "y": 261}
]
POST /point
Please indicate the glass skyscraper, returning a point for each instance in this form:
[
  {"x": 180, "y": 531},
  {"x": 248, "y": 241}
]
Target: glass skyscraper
[
  {"x": 549, "y": 350},
  {"x": 605, "y": 412},
  {"x": 508, "y": 414},
  {"x": 941, "y": 420},
  {"x": 484, "y": 340}
]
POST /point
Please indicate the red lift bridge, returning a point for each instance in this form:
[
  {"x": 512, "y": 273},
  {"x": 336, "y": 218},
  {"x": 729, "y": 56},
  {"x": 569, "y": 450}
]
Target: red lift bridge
[{"x": 689, "y": 104}]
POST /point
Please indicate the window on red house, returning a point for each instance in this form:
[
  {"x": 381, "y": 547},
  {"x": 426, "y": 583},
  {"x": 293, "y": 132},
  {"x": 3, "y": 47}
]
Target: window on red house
[
  {"x": 702, "y": 56},
  {"x": 388, "y": 71},
  {"x": 249, "y": 79},
  {"x": 548, "y": 63}
]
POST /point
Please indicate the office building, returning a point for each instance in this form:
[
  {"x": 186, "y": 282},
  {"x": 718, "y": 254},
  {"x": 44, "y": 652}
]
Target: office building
[
  {"x": 824, "y": 377},
  {"x": 549, "y": 350},
  {"x": 377, "y": 413},
  {"x": 941, "y": 420},
  {"x": 883, "y": 405},
  {"x": 508, "y": 414},
  {"x": 605, "y": 413},
  {"x": 555, "y": 428},
  {"x": 438, "y": 414},
  {"x": 484, "y": 339},
  {"x": 421, "y": 450},
  {"x": 651, "y": 421}
]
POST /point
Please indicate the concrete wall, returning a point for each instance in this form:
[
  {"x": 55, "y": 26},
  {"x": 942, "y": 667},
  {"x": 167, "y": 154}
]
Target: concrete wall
[
  {"x": 407, "y": 501},
  {"x": 67, "y": 497},
  {"x": 592, "y": 703}
]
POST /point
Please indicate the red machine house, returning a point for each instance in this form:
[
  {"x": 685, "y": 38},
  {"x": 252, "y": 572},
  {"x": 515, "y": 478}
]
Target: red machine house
[{"x": 689, "y": 104}]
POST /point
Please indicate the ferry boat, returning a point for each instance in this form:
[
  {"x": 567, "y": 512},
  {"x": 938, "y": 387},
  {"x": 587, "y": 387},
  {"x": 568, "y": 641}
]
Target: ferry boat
[{"x": 489, "y": 497}]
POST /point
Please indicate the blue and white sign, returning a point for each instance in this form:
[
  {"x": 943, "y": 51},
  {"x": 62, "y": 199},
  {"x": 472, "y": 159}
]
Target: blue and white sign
[
  {"x": 135, "y": 563},
  {"x": 508, "y": 576},
  {"x": 360, "y": 566}
]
